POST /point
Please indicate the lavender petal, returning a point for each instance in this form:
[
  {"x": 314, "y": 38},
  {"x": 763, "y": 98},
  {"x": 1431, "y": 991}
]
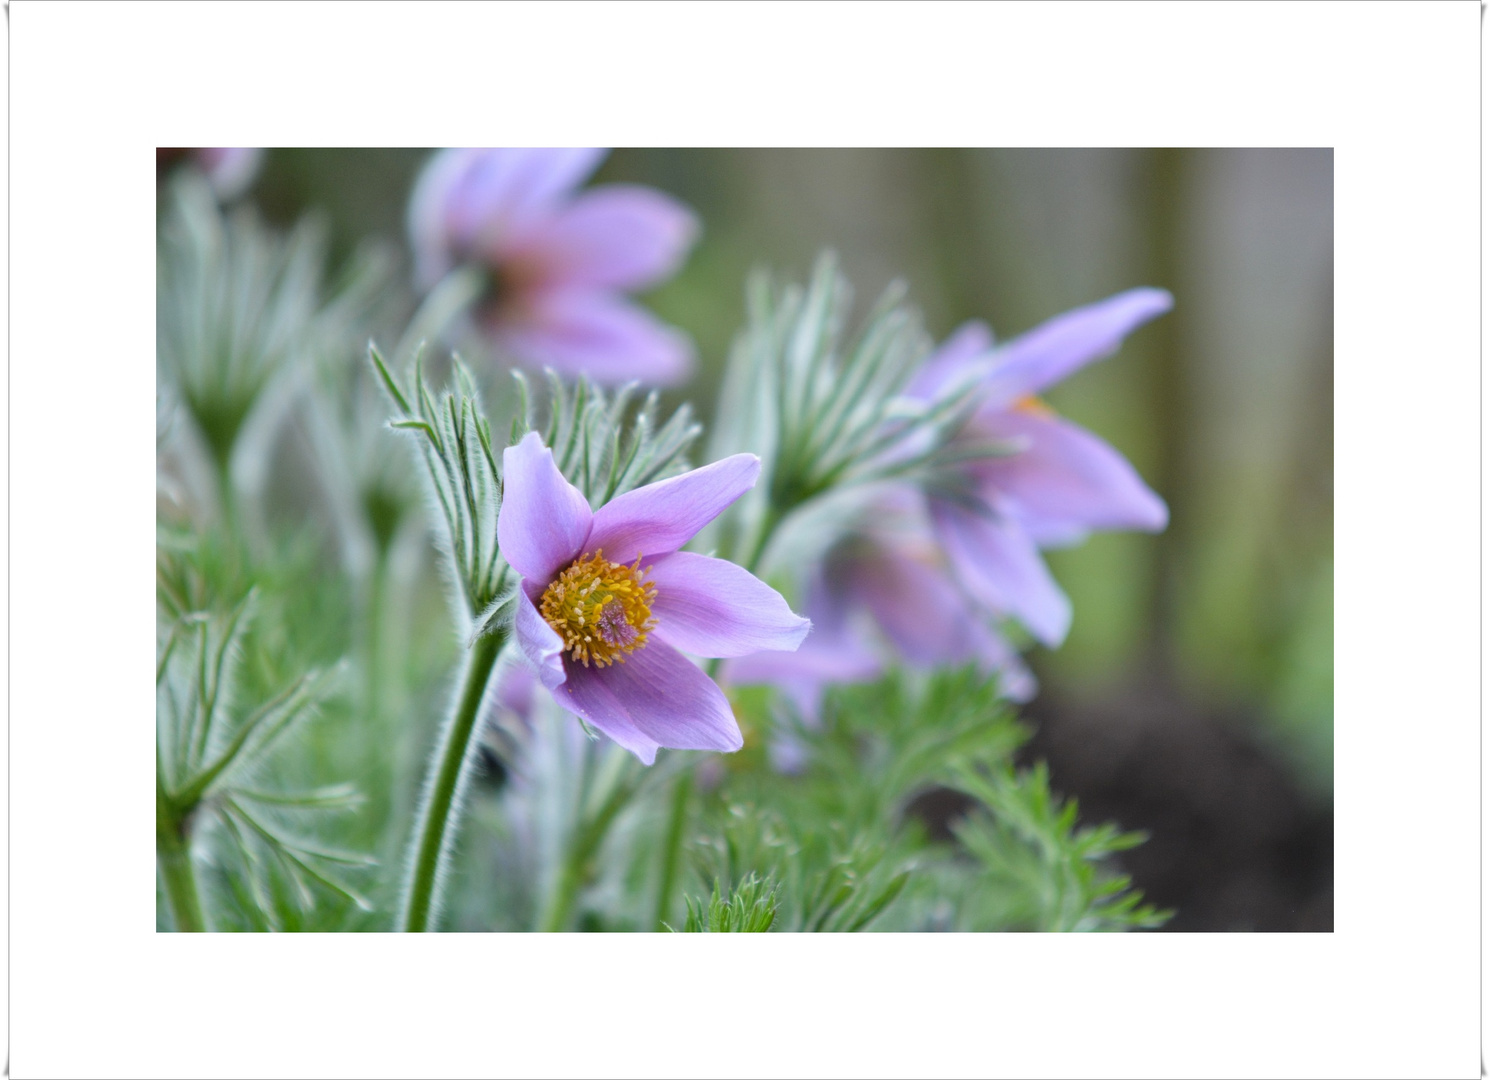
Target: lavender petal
[
  {"x": 587, "y": 692},
  {"x": 1000, "y": 566},
  {"x": 598, "y": 333},
  {"x": 544, "y": 519},
  {"x": 672, "y": 702},
  {"x": 539, "y": 644},
  {"x": 1066, "y": 480},
  {"x": 711, "y": 607},
  {"x": 619, "y": 236},
  {"x": 970, "y": 340},
  {"x": 660, "y": 518},
  {"x": 1054, "y": 349}
]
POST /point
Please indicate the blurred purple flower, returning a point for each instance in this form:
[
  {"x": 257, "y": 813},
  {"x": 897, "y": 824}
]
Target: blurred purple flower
[
  {"x": 514, "y": 694},
  {"x": 229, "y": 169},
  {"x": 889, "y": 582},
  {"x": 1059, "y": 484},
  {"x": 603, "y": 635},
  {"x": 558, "y": 261},
  {"x": 835, "y": 652}
]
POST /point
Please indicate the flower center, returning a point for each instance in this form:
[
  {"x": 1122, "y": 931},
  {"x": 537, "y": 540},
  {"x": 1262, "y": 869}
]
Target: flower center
[{"x": 602, "y": 610}]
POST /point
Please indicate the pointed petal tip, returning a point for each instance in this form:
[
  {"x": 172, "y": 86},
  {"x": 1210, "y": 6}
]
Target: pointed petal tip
[
  {"x": 1151, "y": 297},
  {"x": 1158, "y": 519}
]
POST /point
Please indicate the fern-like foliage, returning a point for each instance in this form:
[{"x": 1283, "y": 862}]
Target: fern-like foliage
[
  {"x": 830, "y": 877},
  {"x": 749, "y": 908},
  {"x": 214, "y": 745},
  {"x": 1040, "y": 869},
  {"x": 843, "y": 841}
]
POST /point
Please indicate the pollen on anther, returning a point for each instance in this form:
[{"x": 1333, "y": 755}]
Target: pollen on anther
[{"x": 611, "y": 599}]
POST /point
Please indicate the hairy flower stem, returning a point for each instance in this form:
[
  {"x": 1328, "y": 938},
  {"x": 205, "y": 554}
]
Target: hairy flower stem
[
  {"x": 434, "y": 834},
  {"x": 173, "y": 850}
]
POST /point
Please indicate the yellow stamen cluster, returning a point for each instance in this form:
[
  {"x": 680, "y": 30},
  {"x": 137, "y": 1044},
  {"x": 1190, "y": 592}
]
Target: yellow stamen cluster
[{"x": 602, "y": 610}]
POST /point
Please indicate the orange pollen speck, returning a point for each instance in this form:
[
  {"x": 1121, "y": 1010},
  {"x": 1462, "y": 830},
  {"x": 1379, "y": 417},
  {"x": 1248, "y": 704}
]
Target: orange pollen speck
[
  {"x": 1034, "y": 407},
  {"x": 602, "y": 610}
]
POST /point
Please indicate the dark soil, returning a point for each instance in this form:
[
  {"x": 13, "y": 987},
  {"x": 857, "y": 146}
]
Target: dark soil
[{"x": 1234, "y": 844}]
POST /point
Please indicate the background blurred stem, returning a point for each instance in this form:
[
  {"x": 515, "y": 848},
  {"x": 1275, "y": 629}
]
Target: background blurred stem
[
  {"x": 584, "y": 842},
  {"x": 173, "y": 849},
  {"x": 222, "y": 466},
  {"x": 434, "y": 834},
  {"x": 672, "y": 845},
  {"x": 377, "y": 601},
  {"x": 768, "y": 526}
]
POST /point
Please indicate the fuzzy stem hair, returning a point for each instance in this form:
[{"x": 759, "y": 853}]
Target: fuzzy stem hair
[{"x": 444, "y": 791}]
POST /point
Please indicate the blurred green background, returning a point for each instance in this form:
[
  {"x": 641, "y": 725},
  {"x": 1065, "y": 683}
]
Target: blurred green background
[{"x": 1195, "y": 694}]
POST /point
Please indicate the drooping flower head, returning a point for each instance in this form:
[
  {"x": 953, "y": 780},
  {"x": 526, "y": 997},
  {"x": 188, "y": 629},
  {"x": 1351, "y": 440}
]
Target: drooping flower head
[
  {"x": 885, "y": 589},
  {"x": 558, "y": 262},
  {"x": 1060, "y": 481},
  {"x": 607, "y": 600}
]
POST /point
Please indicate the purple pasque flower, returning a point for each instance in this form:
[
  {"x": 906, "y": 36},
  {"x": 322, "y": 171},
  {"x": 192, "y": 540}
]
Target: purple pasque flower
[
  {"x": 607, "y": 600},
  {"x": 558, "y": 262},
  {"x": 1059, "y": 483}
]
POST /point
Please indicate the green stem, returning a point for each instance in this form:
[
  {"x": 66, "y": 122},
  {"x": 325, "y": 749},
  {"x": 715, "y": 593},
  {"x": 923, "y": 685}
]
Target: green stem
[
  {"x": 769, "y": 523},
  {"x": 582, "y": 848},
  {"x": 556, "y": 913},
  {"x": 673, "y": 844},
  {"x": 173, "y": 850},
  {"x": 223, "y": 469},
  {"x": 434, "y": 834}
]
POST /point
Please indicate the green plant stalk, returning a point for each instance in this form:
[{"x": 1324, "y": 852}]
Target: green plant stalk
[
  {"x": 582, "y": 849},
  {"x": 222, "y": 466},
  {"x": 173, "y": 850},
  {"x": 768, "y": 526},
  {"x": 434, "y": 834},
  {"x": 672, "y": 845}
]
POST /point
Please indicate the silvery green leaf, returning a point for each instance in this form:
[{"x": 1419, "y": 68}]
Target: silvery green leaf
[
  {"x": 462, "y": 472},
  {"x": 606, "y": 444},
  {"x": 825, "y": 411},
  {"x": 236, "y": 306}
]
